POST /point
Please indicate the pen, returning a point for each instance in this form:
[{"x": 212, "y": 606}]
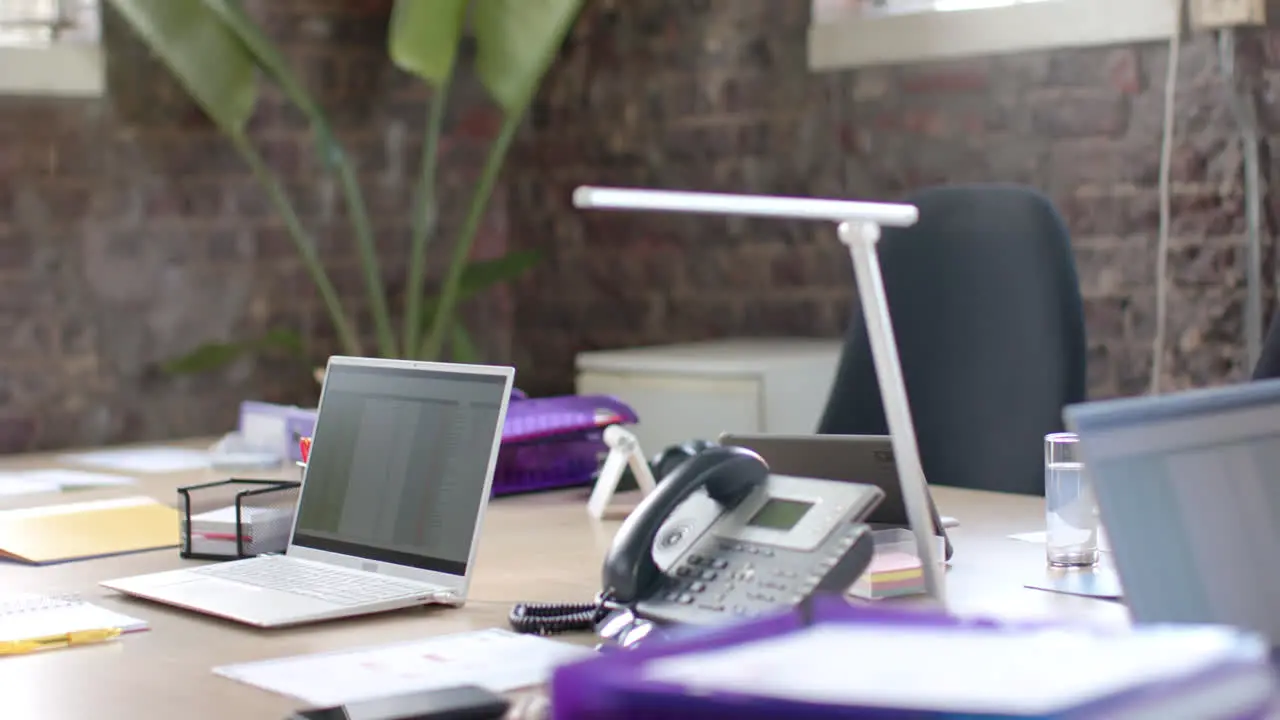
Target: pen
[{"x": 79, "y": 637}]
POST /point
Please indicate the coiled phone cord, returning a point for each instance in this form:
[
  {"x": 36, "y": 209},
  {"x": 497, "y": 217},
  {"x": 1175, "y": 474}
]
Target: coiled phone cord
[{"x": 555, "y": 618}]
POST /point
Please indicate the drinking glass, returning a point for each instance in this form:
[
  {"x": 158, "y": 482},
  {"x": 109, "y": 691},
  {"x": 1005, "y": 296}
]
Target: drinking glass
[{"x": 1071, "y": 527}]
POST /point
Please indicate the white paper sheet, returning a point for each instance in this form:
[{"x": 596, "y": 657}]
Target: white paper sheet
[
  {"x": 25, "y": 486},
  {"x": 496, "y": 659},
  {"x": 978, "y": 672},
  {"x": 67, "y": 479},
  {"x": 27, "y": 617},
  {"x": 77, "y": 507},
  {"x": 144, "y": 459},
  {"x": 1040, "y": 537}
]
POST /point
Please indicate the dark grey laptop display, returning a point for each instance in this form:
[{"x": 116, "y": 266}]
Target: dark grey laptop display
[
  {"x": 852, "y": 458},
  {"x": 1188, "y": 487}
]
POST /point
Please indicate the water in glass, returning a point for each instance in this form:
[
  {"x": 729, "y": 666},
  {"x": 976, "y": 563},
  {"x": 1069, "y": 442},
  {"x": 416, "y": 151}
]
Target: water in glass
[{"x": 1071, "y": 537}]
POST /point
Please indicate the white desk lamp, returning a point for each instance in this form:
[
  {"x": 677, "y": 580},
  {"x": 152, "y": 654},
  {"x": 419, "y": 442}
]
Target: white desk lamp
[{"x": 859, "y": 226}]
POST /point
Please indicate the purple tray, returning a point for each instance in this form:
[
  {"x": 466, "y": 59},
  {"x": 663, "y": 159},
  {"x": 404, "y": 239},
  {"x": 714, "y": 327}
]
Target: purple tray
[
  {"x": 555, "y": 442},
  {"x": 543, "y": 418},
  {"x": 610, "y": 685}
]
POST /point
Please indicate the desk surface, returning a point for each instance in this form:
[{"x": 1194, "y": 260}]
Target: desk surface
[{"x": 538, "y": 547}]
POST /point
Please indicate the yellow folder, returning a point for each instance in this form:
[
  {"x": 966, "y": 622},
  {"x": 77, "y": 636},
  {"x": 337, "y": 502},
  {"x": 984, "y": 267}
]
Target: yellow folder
[{"x": 78, "y": 531}]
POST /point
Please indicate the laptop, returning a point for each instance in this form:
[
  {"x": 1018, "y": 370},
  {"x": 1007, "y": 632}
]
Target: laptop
[
  {"x": 864, "y": 459},
  {"x": 1188, "y": 488},
  {"x": 391, "y": 506}
]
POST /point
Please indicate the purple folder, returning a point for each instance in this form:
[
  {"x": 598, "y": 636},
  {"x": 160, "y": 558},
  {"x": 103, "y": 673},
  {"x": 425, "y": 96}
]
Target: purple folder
[
  {"x": 612, "y": 685},
  {"x": 542, "y": 418},
  {"x": 555, "y": 442}
]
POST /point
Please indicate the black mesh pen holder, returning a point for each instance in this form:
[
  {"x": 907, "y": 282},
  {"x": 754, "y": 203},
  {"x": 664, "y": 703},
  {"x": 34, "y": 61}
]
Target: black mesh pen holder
[{"x": 236, "y": 518}]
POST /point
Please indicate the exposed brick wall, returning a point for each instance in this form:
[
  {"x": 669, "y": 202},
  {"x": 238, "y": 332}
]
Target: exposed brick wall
[
  {"x": 130, "y": 232},
  {"x": 715, "y": 95}
]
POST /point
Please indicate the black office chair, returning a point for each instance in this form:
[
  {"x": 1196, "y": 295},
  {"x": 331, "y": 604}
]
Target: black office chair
[
  {"x": 986, "y": 308},
  {"x": 1268, "y": 366}
]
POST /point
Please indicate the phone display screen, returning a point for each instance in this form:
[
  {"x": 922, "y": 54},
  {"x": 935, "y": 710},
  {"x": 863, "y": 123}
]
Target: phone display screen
[{"x": 780, "y": 514}]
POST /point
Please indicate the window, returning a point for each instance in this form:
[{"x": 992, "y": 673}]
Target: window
[
  {"x": 50, "y": 47},
  {"x": 41, "y": 22},
  {"x": 857, "y": 33},
  {"x": 826, "y": 10}
]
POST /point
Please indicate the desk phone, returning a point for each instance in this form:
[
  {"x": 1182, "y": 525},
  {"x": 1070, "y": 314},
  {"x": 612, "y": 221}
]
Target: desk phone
[{"x": 723, "y": 538}]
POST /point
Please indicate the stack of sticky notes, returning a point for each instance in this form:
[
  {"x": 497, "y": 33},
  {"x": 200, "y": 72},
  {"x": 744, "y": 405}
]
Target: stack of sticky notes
[
  {"x": 892, "y": 573},
  {"x": 264, "y": 529}
]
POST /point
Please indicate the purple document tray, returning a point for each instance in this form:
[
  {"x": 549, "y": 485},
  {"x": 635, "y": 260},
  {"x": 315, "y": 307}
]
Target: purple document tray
[
  {"x": 610, "y": 685},
  {"x": 555, "y": 442}
]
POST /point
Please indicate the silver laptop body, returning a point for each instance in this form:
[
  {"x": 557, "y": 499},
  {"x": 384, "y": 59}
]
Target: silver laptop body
[
  {"x": 391, "y": 506},
  {"x": 1188, "y": 488},
  {"x": 864, "y": 459}
]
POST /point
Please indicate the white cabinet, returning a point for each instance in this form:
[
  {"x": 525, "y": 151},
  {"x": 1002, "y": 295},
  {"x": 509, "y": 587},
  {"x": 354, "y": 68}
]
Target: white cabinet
[{"x": 699, "y": 390}]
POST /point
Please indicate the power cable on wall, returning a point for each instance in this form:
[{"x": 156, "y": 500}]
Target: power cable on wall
[
  {"x": 1166, "y": 161},
  {"x": 1244, "y": 109}
]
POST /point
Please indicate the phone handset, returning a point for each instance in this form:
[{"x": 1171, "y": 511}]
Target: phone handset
[{"x": 727, "y": 473}]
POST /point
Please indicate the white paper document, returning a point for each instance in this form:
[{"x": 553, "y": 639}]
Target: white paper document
[
  {"x": 496, "y": 659},
  {"x": 24, "y": 482},
  {"x": 1040, "y": 537},
  {"x": 27, "y": 617},
  {"x": 977, "y": 672},
  {"x": 144, "y": 459},
  {"x": 17, "y": 485}
]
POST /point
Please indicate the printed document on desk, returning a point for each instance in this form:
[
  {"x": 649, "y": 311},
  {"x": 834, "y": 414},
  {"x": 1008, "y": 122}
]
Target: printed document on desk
[
  {"x": 143, "y": 459},
  {"x": 26, "y": 482},
  {"x": 498, "y": 660},
  {"x": 17, "y": 485}
]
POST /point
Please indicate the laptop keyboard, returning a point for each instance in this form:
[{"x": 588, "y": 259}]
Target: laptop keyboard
[{"x": 334, "y": 585}]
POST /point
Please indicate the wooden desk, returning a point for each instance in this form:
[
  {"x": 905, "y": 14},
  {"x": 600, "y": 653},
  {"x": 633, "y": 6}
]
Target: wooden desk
[{"x": 540, "y": 547}]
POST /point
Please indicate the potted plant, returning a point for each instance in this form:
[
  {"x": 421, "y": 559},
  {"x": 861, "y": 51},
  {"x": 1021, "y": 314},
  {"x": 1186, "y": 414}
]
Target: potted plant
[{"x": 218, "y": 53}]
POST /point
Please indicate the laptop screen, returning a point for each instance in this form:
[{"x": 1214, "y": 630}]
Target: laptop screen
[
  {"x": 399, "y": 464},
  {"x": 1188, "y": 490}
]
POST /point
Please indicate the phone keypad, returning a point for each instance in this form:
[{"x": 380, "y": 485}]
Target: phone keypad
[{"x": 737, "y": 579}]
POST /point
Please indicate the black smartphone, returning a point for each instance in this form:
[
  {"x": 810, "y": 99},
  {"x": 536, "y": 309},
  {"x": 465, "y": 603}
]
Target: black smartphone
[{"x": 465, "y": 702}]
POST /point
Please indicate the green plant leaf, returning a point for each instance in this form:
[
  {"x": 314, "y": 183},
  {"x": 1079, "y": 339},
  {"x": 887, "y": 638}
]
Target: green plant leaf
[
  {"x": 205, "y": 56},
  {"x": 206, "y": 358},
  {"x": 516, "y": 41},
  {"x": 287, "y": 342},
  {"x": 424, "y": 36},
  {"x": 271, "y": 61},
  {"x": 214, "y": 50},
  {"x": 451, "y": 286},
  {"x": 213, "y": 356},
  {"x": 462, "y": 348},
  {"x": 423, "y": 40},
  {"x": 481, "y": 275}
]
